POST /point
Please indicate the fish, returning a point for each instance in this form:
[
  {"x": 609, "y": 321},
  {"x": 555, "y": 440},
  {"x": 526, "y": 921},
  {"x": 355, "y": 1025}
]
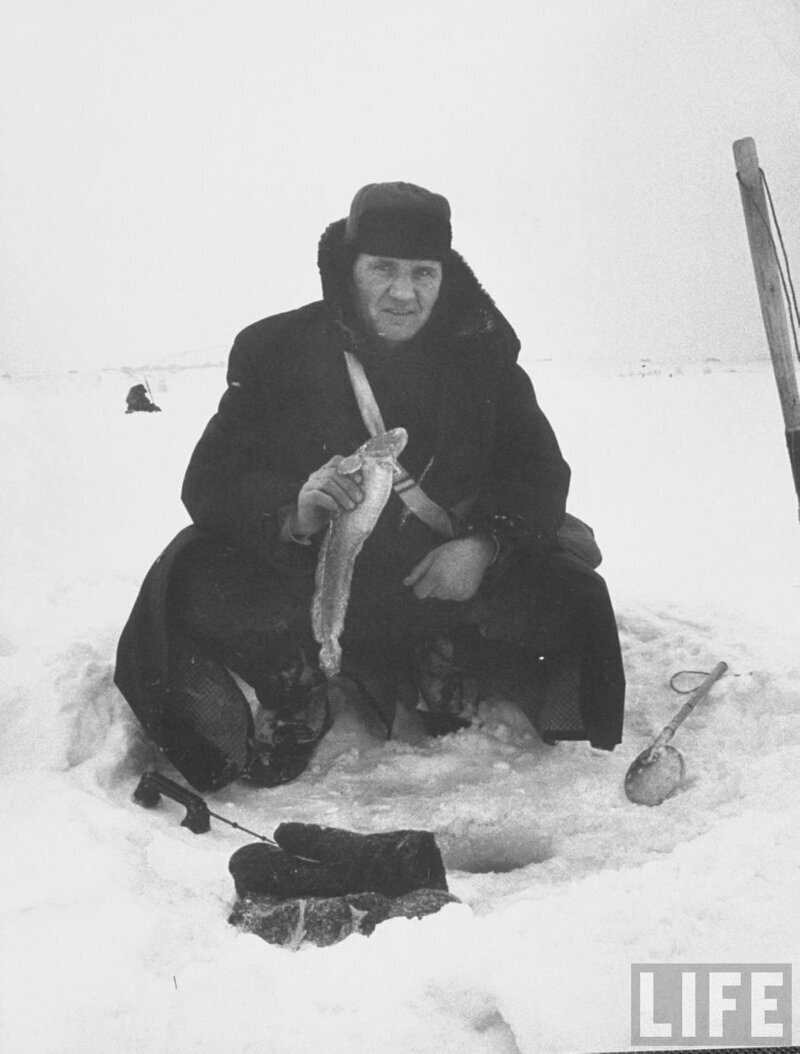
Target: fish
[{"x": 376, "y": 461}]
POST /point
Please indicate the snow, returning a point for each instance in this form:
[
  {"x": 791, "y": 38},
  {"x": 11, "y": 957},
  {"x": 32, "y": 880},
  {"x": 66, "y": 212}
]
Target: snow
[{"x": 114, "y": 934}]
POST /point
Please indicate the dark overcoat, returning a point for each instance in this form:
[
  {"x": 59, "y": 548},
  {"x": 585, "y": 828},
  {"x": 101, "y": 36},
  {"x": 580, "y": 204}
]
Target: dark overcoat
[{"x": 479, "y": 443}]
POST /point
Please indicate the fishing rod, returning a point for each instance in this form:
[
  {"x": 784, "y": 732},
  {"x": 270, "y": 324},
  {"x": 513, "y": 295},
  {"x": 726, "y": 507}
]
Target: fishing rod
[{"x": 198, "y": 815}]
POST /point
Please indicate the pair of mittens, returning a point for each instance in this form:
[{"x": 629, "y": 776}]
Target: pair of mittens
[{"x": 314, "y": 861}]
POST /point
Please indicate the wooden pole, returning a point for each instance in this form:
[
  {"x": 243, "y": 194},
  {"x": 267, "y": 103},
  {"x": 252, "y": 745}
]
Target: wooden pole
[{"x": 770, "y": 293}]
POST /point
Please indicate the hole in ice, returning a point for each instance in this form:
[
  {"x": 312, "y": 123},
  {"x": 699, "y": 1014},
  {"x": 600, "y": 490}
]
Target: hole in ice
[{"x": 484, "y": 849}]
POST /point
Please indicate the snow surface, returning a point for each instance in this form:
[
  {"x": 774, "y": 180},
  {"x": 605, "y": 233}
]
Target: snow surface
[{"x": 114, "y": 935}]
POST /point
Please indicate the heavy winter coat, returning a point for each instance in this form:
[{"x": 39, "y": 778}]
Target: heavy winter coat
[
  {"x": 476, "y": 430},
  {"x": 479, "y": 444}
]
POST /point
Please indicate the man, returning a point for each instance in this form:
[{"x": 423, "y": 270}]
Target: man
[
  {"x": 137, "y": 401},
  {"x": 472, "y": 581}
]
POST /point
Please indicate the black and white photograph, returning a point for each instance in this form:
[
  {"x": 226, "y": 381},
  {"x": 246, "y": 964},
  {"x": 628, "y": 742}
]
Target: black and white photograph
[{"x": 399, "y": 579}]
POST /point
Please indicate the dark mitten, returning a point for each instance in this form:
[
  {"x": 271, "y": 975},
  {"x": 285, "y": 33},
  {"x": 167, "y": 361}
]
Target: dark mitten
[
  {"x": 266, "y": 870},
  {"x": 392, "y": 863}
]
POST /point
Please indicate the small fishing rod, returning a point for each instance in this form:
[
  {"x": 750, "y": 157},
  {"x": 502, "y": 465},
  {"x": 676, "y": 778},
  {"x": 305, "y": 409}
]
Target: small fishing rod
[{"x": 198, "y": 815}]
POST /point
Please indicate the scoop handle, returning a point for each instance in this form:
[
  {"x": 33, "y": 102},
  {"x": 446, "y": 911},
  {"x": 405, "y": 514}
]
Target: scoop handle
[{"x": 668, "y": 731}]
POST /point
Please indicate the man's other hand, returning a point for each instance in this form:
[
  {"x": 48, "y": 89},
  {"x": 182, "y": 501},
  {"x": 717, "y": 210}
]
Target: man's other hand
[{"x": 453, "y": 571}]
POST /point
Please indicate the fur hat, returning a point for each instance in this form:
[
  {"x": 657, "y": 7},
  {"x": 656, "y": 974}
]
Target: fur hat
[{"x": 400, "y": 220}]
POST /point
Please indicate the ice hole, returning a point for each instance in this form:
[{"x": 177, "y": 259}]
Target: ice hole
[{"x": 492, "y": 851}]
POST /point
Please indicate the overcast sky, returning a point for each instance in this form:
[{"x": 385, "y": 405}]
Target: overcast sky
[{"x": 167, "y": 166}]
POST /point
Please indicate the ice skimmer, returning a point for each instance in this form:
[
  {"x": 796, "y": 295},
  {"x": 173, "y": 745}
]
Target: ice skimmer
[{"x": 658, "y": 771}]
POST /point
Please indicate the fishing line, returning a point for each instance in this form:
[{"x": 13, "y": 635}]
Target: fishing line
[
  {"x": 786, "y": 279},
  {"x": 238, "y": 826},
  {"x": 774, "y": 214}
]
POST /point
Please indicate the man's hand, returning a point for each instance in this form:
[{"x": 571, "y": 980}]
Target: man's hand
[
  {"x": 453, "y": 571},
  {"x": 324, "y": 493}
]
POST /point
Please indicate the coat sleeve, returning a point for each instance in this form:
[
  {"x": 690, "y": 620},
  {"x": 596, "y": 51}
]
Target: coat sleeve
[
  {"x": 234, "y": 487},
  {"x": 525, "y": 493}
]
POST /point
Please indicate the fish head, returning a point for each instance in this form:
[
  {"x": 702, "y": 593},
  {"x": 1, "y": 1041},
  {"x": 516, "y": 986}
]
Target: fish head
[{"x": 385, "y": 447}]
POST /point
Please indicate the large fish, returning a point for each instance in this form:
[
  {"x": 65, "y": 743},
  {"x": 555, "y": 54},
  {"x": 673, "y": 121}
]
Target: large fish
[{"x": 376, "y": 461}]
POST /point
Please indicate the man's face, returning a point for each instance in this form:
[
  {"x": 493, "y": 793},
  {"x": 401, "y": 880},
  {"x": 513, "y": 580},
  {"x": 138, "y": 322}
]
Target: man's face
[{"x": 395, "y": 297}]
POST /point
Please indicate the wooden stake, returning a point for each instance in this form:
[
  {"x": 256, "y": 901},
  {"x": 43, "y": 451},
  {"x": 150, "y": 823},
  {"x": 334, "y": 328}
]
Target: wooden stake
[{"x": 770, "y": 294}]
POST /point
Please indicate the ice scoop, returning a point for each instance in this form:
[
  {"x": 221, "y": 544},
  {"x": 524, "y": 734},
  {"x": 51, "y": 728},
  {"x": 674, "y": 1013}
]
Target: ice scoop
[{"x": 658, "y": 771}]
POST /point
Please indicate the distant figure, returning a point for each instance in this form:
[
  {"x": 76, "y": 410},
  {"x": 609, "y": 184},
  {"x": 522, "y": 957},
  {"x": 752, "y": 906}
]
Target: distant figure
[{"x": 139, "y": 402}]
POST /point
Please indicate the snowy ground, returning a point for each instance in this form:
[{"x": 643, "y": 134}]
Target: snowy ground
[{"x": 114, "y": 935}]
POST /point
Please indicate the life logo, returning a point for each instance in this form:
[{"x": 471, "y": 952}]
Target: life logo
[{"x": 711, "y": 1004}]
